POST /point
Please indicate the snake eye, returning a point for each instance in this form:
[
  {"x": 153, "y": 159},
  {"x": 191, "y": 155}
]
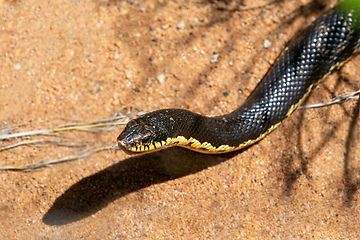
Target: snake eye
[{"x": 146, "y": 139}]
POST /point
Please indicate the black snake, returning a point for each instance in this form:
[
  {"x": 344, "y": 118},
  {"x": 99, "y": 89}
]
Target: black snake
[{"x": 321, "y": 48}]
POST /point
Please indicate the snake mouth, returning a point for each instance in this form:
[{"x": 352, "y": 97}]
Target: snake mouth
[
  {"x": 122, "y": 146},
  {"x": 122, "y": 142}
]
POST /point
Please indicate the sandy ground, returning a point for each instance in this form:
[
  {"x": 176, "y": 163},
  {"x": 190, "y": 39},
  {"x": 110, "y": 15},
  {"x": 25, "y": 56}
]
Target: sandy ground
[{"x": 64, "y": 62}]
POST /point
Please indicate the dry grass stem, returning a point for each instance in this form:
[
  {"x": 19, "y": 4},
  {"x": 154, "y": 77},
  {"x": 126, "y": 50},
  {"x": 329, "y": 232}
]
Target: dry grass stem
[
  {"x": 6, "y": 135},
  {"x": 336, "y": 100},
  {"x": 41, "y": 141}
]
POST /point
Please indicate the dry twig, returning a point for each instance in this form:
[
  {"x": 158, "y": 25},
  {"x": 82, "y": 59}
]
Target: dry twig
[
  {"x": 337, "y": 100},
  {"x": 102, "y": 125}
]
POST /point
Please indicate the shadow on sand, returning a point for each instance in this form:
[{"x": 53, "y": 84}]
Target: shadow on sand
[{"x": 95, "y": 192}]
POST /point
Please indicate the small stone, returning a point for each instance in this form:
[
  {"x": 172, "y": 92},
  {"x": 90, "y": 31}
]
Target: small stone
[
  {"x": 116, "y": 54},
  {"x": 97, "y": 89},
  {"x": 267, "y": 43},
  {"x": 123, "y": 11},
  {"x": 128, "y": 74},
  {"x": 180, "y": 25},
  {"x": 161, "y": 78},
  {"x": 17, "y": 66},
  {"x": 214, "y": 58}
]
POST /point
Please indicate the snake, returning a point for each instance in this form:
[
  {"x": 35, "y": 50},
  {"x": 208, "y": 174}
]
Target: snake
[{"x": 312, "y": 55}]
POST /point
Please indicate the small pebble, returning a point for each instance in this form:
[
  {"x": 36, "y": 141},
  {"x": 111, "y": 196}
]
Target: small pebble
[
  {"x": 180, "y": 25},
  {"x": 267, "y": 43},
  {"x": 116, "y": 54},
  {"x": 214, "y": 58},
  {"x": 161, "y": 78},
  {"x": 128, "y": 74},
  {"x": 97, "y": 89},
  {"x": 123, "y": 11},
  {"x": 17, "y": 66}
]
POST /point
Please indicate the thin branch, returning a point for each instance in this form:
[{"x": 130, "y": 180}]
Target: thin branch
[
  {"x": 87, "y": 127},
  {"x": 337, "y": 100},
  {"x": 58, "y": 129},
  {"x": 26, "y": 134},
  {"x": 53, "y": 141}
]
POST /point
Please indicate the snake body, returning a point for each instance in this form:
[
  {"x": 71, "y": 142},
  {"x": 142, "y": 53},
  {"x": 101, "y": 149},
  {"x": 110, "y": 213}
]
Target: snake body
[{"x": 309, "y": 58}]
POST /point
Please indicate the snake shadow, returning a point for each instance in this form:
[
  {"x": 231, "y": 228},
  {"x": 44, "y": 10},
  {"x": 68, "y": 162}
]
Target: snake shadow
[{"x": 95, "y": 192}]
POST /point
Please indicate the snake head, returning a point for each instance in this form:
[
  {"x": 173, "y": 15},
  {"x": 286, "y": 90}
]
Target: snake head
[{"x": 141, "y": 134}]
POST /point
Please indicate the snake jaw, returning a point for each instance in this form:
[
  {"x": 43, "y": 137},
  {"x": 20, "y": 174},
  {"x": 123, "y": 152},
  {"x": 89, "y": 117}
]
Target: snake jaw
[{"x": 124, "y": 143}]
